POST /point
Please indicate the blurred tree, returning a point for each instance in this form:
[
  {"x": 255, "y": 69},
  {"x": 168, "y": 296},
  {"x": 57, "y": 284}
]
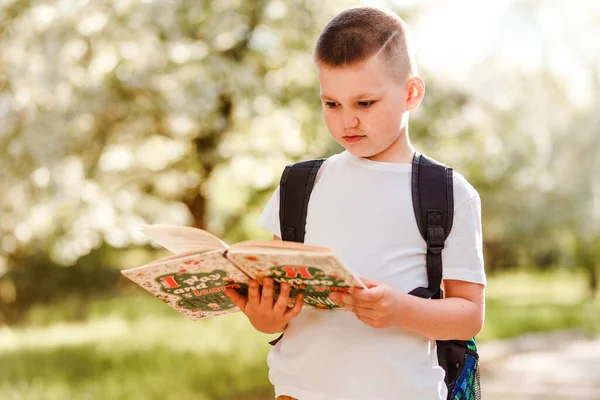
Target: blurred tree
[
  {"x": 119, "y": 113},
  {"x": 124, "y": 112},
  {"x": 524, "y": 129}
]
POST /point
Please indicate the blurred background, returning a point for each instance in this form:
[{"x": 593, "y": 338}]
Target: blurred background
[{"x": 115, "y": 113}]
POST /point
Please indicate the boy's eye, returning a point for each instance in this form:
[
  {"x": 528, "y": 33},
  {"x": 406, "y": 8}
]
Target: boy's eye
[
  {"x": 366, "y": 104},
  {"x": 331, "y": 104}
]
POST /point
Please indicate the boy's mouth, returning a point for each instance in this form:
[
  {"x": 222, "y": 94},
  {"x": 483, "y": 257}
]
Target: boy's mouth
[{"x": 353, "y": 138}]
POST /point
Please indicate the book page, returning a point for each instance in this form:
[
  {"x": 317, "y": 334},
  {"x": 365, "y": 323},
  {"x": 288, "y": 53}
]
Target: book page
[
  {"x": 258, "y": 245},
  {"x": 183, "y": 239},
  {"x": 315, "y": 274},
  {"x": 193, "y": 284}
]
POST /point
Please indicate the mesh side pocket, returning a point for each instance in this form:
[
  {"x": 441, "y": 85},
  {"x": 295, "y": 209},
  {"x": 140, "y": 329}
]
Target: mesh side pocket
[
  {"x": 477, "y": 382},
  {"x": 467, "y": 385}
]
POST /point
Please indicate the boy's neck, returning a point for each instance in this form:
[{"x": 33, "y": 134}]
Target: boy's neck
[{"x": 401, "y": 151}]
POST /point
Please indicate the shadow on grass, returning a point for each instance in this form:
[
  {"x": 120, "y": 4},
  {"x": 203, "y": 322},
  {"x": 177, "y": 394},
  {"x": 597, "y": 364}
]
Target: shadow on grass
[{"x": 89, "y": 372}]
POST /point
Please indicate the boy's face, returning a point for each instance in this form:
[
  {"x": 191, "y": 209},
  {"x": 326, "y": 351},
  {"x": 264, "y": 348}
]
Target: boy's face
[{"x": 366, "y": 108}]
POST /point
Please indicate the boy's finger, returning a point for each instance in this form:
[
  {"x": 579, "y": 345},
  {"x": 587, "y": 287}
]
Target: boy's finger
[
  {"x": 236, "y": 298},
  {"x": 370, "y": 283},
  {"x": 337, "y": 299},
  {"x": 294, "y": 311},
  {"x": 253, "y": 295},
  {"x": 367, "y": 295},
  {"x": 266, "y": 298},
  {"x": 282, "y": 301},
  {"x": 354, "y": 303}
]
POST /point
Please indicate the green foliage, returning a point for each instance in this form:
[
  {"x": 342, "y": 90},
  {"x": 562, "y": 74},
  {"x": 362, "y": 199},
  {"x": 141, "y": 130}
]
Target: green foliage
[
  {"x": 120, "y": 113},
  {"x": 38, "y": 280},
  {"x": 521, "y": 302}
]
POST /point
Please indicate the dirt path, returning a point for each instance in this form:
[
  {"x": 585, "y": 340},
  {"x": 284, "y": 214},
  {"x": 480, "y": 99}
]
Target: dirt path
[{"x": 563, "y": 365}]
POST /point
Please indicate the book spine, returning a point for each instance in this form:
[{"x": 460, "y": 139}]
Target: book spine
[{"x": 235, "y": 265}]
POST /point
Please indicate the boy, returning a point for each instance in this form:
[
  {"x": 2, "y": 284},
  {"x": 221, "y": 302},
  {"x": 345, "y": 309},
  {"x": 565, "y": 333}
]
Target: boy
[{"x": 361, "y": 206}]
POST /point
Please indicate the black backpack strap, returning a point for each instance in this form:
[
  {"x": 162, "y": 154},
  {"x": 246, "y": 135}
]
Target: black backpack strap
[
  {"x": 433, "y": 202},
  {"x": 295, "y": 187},
  {"x": 296, "y": 184}
]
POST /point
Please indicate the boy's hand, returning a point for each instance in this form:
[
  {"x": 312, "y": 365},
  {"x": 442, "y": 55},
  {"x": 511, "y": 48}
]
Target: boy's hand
[
  {"x": 378, "y": 306},
  {"x": 264, "y": 314}
]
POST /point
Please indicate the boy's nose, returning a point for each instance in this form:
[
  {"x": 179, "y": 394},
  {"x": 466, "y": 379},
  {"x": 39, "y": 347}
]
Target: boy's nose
[{"x": 350, "y": 120}]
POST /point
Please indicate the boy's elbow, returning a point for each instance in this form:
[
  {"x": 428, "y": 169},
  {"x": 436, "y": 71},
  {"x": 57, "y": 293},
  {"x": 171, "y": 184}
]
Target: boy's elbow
[
  {"x": 475, "y": 327},
  {"x": 470, "y": 334},
  {"x": 472, "y": 328}
]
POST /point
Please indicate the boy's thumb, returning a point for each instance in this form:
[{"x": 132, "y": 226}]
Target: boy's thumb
[{"x": 369, "y": 283}]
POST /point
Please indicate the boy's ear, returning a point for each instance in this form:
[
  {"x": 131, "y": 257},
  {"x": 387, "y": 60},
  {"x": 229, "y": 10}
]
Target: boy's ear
[{"x": 415, "y": 93}]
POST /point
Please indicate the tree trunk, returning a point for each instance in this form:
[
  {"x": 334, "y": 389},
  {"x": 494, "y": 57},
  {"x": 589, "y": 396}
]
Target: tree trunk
[
  {"x": 593, "y": 280},
  {"x": 207, "y": 143},
  {"x": 197, "y": 206},
  {"x": 208, "y": 156},
  {"x": 585, "y": 257}
]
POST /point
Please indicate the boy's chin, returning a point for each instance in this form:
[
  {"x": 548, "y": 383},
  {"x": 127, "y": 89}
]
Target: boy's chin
[
  {"x": 372, "y": 155},
  {"x": 364, "y": 153}
]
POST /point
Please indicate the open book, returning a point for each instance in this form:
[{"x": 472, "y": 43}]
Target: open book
[{"x": 193, "y": 280}]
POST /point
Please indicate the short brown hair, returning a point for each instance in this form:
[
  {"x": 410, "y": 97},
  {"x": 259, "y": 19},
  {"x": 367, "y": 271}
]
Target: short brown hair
[{"x": 357, "y": 34}]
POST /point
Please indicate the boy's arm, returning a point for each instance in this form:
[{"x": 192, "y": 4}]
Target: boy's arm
[{"x": 459, "y": 316}]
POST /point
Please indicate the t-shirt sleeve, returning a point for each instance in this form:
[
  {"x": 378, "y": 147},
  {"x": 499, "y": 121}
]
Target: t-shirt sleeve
[
  {"x": 269, "y": 218},
  {"x": 462, "y": 257}
]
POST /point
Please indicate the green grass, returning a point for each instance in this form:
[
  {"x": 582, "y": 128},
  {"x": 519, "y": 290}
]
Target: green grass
[
  {"x": 118, "y": 372},
  {"x": 146, "y": 357},
  {"x": 135, "y": 347}
]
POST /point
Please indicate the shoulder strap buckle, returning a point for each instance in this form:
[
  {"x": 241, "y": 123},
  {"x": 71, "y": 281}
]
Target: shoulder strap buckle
[{"x": 436, "y": 235}]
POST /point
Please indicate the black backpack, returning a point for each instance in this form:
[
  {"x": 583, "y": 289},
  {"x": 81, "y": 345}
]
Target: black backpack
[{"x": 433, "y": 203}]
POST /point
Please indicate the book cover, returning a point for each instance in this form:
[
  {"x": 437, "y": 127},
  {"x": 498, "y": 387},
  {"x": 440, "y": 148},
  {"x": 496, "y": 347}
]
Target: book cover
[
  {"x": 316, "y": 275},
  {"x": 192, "y": 284},
  {"x": 194, "y": 279}
]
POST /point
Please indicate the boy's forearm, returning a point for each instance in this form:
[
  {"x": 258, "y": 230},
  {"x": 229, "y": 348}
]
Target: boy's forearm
[{"x": 441, "y": 319}]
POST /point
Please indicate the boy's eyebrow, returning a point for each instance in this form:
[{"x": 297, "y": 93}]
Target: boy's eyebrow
[{"x": 357, "y": 96}]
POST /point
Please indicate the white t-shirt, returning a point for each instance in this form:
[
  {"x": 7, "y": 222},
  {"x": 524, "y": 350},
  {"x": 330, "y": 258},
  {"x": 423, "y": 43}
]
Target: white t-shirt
[{"x": 363, "y": 210}]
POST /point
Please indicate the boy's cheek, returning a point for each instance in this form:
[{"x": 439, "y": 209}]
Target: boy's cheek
[
  {"x": 334, "y": 130},
  {"x": 329, "y": 121}
]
